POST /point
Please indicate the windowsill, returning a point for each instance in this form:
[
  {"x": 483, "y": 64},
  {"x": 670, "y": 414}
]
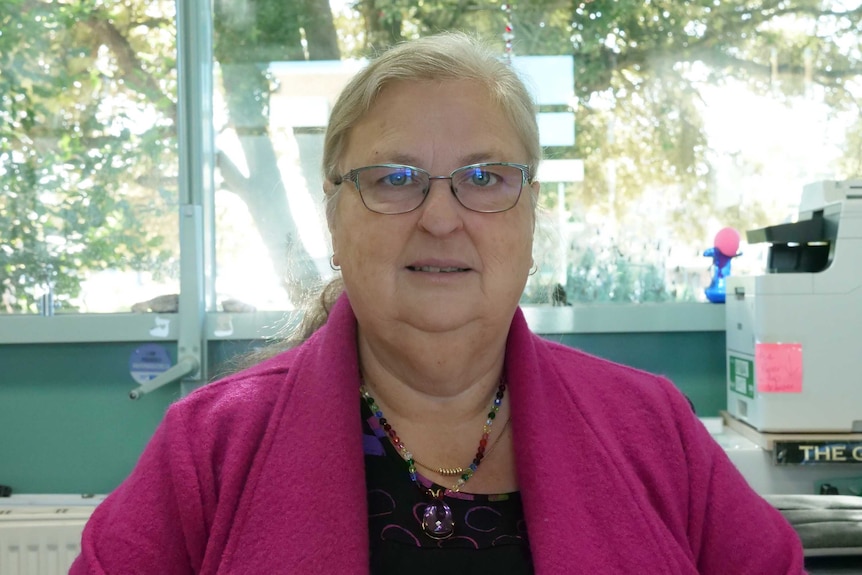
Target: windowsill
[
  {"x": 88, "y": 327},
  {"x": 625, "y": 318},
  {"x": 542, "y": 319},
  {"x": 123, "y": 327}
]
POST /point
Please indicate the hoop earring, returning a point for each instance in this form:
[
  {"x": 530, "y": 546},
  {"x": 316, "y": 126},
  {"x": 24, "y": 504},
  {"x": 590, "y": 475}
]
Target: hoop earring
[
  {"x": 334, "y": 267},
  {"x": 534, "y": 269}
]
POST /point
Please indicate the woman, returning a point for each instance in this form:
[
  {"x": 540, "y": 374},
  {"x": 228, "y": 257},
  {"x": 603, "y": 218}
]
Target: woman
[{"x": 423, "y": 428}]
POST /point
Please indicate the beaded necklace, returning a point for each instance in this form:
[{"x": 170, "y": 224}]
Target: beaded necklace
[
  {"x": 453, "y": 471},
  {"x": 437, "y": 521}
]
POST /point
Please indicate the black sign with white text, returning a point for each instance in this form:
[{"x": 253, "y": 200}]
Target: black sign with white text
[{"x": 816, "y": 452}]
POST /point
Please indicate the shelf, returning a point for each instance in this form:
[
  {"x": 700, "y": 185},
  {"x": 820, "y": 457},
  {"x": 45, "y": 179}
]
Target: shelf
[{"x": 802, "y": 448}]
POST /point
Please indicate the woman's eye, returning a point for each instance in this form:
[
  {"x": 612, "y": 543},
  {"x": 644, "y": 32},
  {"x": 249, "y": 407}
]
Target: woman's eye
[
  {"x": 482, "y": 178},
  {"x": 399, "y": 178}
]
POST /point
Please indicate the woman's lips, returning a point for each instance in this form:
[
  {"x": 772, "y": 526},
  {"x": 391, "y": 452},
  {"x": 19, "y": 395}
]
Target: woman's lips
[{"x": 437, "y": 269}]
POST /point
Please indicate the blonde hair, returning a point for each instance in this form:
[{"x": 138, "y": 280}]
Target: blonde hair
[{"x": 444, "y": 56}]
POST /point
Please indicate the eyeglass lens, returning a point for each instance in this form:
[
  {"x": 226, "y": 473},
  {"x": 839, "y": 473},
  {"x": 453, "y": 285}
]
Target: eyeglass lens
[{"x": 400, "y": 189}]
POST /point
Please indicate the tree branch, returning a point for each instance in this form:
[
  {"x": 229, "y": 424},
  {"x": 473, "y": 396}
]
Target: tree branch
[
  {"x": 129, "y": 65},
  {"x": 233, "y": 177}
]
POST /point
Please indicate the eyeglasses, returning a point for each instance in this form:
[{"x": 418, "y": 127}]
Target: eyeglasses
[{"x": 396, "y": 189}]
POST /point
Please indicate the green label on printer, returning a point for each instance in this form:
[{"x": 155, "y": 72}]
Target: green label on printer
[{"x": 741, "y": 376}]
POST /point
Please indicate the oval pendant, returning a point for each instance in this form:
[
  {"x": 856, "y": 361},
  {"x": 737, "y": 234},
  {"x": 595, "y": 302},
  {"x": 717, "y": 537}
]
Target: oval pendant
[{"x": 437, "y": 520}]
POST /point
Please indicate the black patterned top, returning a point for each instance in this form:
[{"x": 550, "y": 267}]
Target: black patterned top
[{"x": 490, "y": 533}]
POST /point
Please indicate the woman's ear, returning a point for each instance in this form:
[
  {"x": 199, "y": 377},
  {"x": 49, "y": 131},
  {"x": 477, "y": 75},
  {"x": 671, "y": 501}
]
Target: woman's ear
[
  {"x": 534, "y": 199},
  {"x": 331, "y": 207},
  {"x": 330, "y": 194},
  {"x": 333, "y": 239}
]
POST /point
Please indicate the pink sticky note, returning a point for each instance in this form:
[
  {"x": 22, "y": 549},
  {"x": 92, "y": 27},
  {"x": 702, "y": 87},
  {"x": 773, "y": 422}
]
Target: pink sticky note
[{"x": 778, "y": 367}]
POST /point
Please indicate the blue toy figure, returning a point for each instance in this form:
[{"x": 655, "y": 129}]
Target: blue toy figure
[{"x": 724, "y": 249}]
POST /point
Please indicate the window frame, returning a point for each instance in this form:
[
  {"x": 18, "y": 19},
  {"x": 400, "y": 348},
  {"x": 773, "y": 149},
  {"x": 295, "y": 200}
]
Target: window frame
[{"x": 194, "y": 326}]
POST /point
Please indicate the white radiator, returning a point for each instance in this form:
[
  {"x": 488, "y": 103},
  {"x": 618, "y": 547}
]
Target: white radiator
[{"x": 40, "y": 539}]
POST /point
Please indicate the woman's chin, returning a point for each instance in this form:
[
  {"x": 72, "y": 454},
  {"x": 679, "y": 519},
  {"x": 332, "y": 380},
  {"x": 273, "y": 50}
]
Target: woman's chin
[{"x": 440, "y": 316}]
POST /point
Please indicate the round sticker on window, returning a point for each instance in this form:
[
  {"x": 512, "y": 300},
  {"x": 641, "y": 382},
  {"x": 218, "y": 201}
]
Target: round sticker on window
[{"x": 148, "y": 361}]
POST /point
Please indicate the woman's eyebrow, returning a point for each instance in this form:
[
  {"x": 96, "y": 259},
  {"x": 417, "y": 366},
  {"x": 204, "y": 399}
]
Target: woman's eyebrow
[
  {"x": 479, "y": 157},
  {"x": 407, "y": 159},
  {"x": 410, "y": 160}
]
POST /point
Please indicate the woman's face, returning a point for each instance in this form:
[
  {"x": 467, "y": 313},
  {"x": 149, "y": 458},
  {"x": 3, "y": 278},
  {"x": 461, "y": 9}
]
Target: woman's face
[{"x": 391, "y": 264}]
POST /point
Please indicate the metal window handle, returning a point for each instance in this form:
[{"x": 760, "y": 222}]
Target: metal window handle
[
  {"x": 191, "y": 351},
  {"x": 185, "y": 366}
]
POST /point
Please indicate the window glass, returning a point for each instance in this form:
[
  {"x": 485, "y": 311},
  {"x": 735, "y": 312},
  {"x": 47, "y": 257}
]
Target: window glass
[
  {"x": 88, "y": 155},
  {"x": 684, "y": 118},
  {"x": 681, "y": 119},
  {"x": 271, "y": 106}
]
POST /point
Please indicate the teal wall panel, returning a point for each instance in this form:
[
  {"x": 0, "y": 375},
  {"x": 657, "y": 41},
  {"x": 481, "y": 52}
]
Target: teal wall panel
[
  {"x": 694, "y": 361},
  {"x": 68, "y": 426}
]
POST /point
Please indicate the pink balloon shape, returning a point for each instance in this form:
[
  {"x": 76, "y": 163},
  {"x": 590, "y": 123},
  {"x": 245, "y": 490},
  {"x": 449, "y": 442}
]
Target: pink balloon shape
[{"x": 727, "y": 241}]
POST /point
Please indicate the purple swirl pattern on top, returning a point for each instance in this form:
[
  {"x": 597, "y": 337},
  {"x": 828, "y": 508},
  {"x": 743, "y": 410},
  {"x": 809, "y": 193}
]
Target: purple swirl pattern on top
[
  {"x": 482, "y": 518},
  {"x": 396, "y": 505},
  {"x": 399, "y": 534}
]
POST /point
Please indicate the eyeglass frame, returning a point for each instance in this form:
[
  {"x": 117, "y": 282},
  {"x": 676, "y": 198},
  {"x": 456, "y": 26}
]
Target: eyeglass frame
[{"x": 353, "y": 176}]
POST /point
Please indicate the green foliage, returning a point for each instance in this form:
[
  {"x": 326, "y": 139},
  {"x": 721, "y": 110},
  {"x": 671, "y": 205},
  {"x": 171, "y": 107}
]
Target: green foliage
[
  {"x": 852, "y": 161},
  {"x": 640, "y": 70},
  {"x": 608, "y": 275},
  {"x": 86, "y": 139},
  {"x": 88, "y": 147}
]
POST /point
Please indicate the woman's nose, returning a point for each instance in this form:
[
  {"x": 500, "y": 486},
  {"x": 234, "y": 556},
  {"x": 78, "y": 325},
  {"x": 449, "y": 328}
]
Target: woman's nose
[{"x": 441, "y": 213}]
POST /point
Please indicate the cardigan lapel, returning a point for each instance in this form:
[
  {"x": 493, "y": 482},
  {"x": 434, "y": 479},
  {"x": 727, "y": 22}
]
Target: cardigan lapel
[
  {"x": 307, "y": 509},
  {"x": 583, "y": 513}
]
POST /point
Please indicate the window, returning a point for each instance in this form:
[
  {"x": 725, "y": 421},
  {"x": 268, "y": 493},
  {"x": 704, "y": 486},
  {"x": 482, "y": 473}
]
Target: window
[
  {"x": 688, "y": 117},
  {"x": 88, "y": 155}
]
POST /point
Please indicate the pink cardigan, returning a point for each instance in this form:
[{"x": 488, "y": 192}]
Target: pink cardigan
[{"x": 262, "y": 472}]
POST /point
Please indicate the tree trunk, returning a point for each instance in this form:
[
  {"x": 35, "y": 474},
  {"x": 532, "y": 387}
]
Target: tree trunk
[
  {"x": 320, "y": 30},
  {"x": 248, "y": 44}
]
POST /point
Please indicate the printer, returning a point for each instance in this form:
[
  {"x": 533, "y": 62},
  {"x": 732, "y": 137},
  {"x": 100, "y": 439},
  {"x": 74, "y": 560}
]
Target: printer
[{"x": 794, "y": 333}]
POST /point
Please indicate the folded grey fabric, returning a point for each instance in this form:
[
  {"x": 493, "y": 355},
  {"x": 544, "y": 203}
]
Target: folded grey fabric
[{"x": 823, "y": 521}]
